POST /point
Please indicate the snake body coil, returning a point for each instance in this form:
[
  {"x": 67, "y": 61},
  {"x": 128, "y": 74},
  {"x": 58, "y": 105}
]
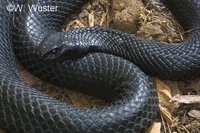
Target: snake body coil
[{"x": 101, "y": 70}]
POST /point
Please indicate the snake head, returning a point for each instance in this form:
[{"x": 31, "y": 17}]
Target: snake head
[
  {"x": 55, "y": 47},
  {"x": 64, "y": 52}
]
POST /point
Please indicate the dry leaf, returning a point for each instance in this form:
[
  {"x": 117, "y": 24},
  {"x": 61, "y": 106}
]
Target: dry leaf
[
  {"x": 164, "y": 93},
  {"x": 79, "y": 23},
  {"x": 163, "y": 88},
  {"x": 78, "y": 98},
  {"x": 83, "y": 100},
  {"x": 166, "y": 115},
  {"x": 155, "y": 128},
  {"x": 103, "y": 19}
]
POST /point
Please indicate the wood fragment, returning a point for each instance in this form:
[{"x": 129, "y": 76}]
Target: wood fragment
[
  {"x": 91, "y": 19},
  {"x": 187, "y": 99},
  {"x": 195, "y": 114}
]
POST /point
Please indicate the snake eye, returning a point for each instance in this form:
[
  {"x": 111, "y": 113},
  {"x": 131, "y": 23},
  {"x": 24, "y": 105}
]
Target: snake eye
[{"x": 52, "y": 54}]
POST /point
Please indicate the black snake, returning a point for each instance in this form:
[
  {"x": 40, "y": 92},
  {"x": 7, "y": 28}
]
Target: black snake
[{"x": 90, "y": 60}]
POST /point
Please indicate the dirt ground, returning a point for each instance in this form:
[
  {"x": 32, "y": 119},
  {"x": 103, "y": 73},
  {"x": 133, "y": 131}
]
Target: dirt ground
[{"x": 179, "y": 109}]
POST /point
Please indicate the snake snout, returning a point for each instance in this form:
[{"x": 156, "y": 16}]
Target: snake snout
[{"x": 55, "y": 47}]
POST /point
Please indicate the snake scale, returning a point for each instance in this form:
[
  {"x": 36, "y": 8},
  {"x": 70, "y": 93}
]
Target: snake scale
[{"x": 96, "y": 61}]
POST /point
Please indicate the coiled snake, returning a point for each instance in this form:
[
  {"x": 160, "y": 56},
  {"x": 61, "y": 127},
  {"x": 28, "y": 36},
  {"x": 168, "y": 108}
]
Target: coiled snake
[{"x": 94, "y": 60}]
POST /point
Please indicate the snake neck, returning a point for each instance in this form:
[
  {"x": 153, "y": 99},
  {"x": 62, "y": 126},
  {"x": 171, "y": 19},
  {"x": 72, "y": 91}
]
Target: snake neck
[
  {"x": 149, "y": 55},
  {"x": 187, "y": 12}
]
